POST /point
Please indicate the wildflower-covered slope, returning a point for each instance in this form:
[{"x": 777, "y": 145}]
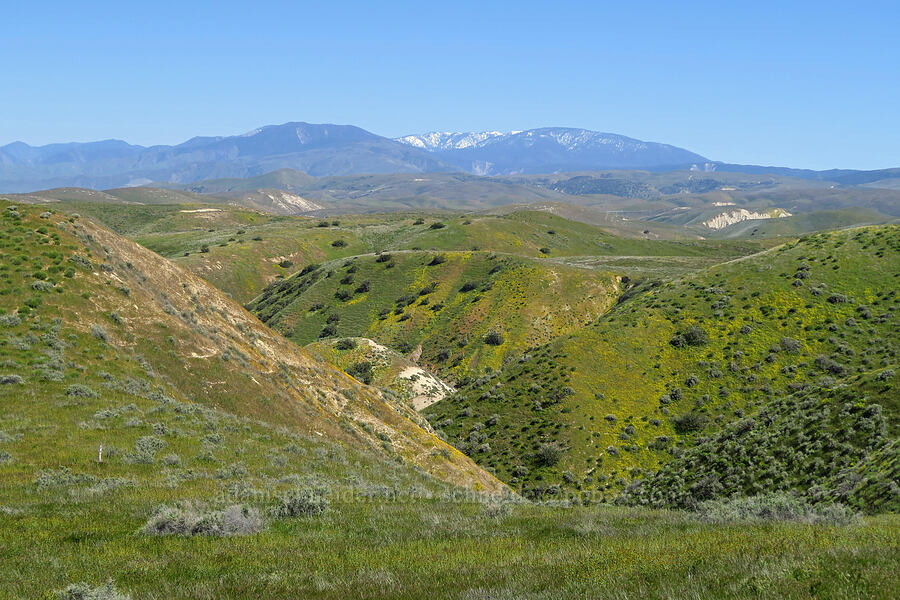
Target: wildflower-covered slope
[
  {"x": 673, "y": 363},
  {"x": 456, "y": 311}
]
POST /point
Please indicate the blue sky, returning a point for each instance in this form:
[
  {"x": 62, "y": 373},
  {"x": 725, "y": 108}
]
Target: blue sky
[{"x": 803, "y": 84}]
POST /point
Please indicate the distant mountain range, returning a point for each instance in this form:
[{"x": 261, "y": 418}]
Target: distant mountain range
[
  {"x": 334, "y": 150},
  {"x": 314, "y": 149},
  {"x": 549, "y": 150}
]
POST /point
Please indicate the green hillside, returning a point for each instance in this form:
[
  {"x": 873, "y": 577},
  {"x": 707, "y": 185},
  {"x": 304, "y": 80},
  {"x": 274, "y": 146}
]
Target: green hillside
[
  {"x": 240, "y": 251},
  {"x": 84, "y": 307},
  {"x": 458, "y": 311},
  {"x": 674, "y": 362},
  {"x": 273, "y": 201},
  {"x": 830, "y": 444},
  {"x": 118, "y": 197},
  {"x": 376, "y": 193}
]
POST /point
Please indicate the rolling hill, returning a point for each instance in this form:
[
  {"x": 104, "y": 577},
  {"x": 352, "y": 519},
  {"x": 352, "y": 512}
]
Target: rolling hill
[
  {"x": 641, "y": 204},
  {"x": 87, "y": 310},
  {"x": 797, "y": 225},
  {"x": 672, "y": 364},
  {"x": 456, "y": 312},
  {"x": 385, "y": 192},
  {"x": 273, "y": 201},
  {"x": 241, "y": 251}
]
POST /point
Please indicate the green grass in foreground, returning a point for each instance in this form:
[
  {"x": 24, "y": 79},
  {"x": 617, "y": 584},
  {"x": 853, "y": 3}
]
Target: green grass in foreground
[{"x": 434, "y": 549}]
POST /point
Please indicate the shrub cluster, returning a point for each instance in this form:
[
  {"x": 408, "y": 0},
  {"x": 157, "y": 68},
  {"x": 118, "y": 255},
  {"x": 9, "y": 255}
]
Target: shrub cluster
[
  {"x": 189, "y": 520},
  {"x": 84, "y": 591},
  {"x": 692, "y": 336},
  {"x": 345, "y": 344},
  {"x": 774, "y": 507},
  {"x": 822, "y": 442},
  {"x": 302, "y": 503}
]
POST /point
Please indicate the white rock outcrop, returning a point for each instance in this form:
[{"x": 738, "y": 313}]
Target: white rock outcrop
[{"x": 725, "y": 219}]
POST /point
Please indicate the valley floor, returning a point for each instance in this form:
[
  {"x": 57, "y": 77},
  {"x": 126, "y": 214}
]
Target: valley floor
[{"x": 433, "y": 549}]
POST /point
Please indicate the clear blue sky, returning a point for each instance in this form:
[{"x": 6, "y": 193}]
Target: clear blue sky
[{"x": 804, "y": 84}]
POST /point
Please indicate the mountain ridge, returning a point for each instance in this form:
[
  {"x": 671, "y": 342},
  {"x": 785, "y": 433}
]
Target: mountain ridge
[
  {"x": 548, "y": 149},
  {"x": 317, "y": 149}
]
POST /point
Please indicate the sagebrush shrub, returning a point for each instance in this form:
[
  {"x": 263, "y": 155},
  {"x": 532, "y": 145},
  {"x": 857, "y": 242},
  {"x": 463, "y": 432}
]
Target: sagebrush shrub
[
  {"x": 302, "y": 503},
  {"x": 790, "y": 344},
  {"x": 145, "y": 449},
  {"x": 61, "y": 477},
  {"x": 98, "y": 332},
  {"x": 42, "y": 286},
  {"x": 774, "y": 507},
  {"x": 497, "y": 510},
  {"x": 10, "y": 320},
  {"x": 345, "y": 344},
  {"x": 78, "y": 390},
  {"x": 84, "y": 591},
  {"x": 549, "y": 454},
  {"x": 189, "y": 520}
]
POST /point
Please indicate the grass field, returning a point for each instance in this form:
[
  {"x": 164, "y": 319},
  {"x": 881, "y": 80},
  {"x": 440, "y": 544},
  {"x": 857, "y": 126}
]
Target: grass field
[
  {"x": 429, "y": 548},
  {"x": 387, "y": 531}
]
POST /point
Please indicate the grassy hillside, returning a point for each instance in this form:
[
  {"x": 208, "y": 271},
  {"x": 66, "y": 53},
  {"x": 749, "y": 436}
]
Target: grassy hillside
[
  {"x": 275, "y": 201},
  {"x": 647, "y": 185},
  {"x": 84, "y": 306},
  {"x": 618, "y": 223},
  {"x": 458, "y": 311},
  {"x": 830, "y": 444},
  {"x": 385, "y": 192},
  {"x": 119, "y": 196},
  {"x": 241, "y": 265},
  {"x": 240, "y": 251},
  {"x": 674, "y": 362}
]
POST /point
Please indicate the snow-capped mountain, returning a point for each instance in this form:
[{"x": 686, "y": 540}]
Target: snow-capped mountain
[
  {"x": 548, "y": 149},
  {"x": 435, "y": 141}
]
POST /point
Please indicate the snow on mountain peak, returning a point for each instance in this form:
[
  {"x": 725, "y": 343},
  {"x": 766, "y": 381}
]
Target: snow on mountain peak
[{"x": 436, "y": 141}]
